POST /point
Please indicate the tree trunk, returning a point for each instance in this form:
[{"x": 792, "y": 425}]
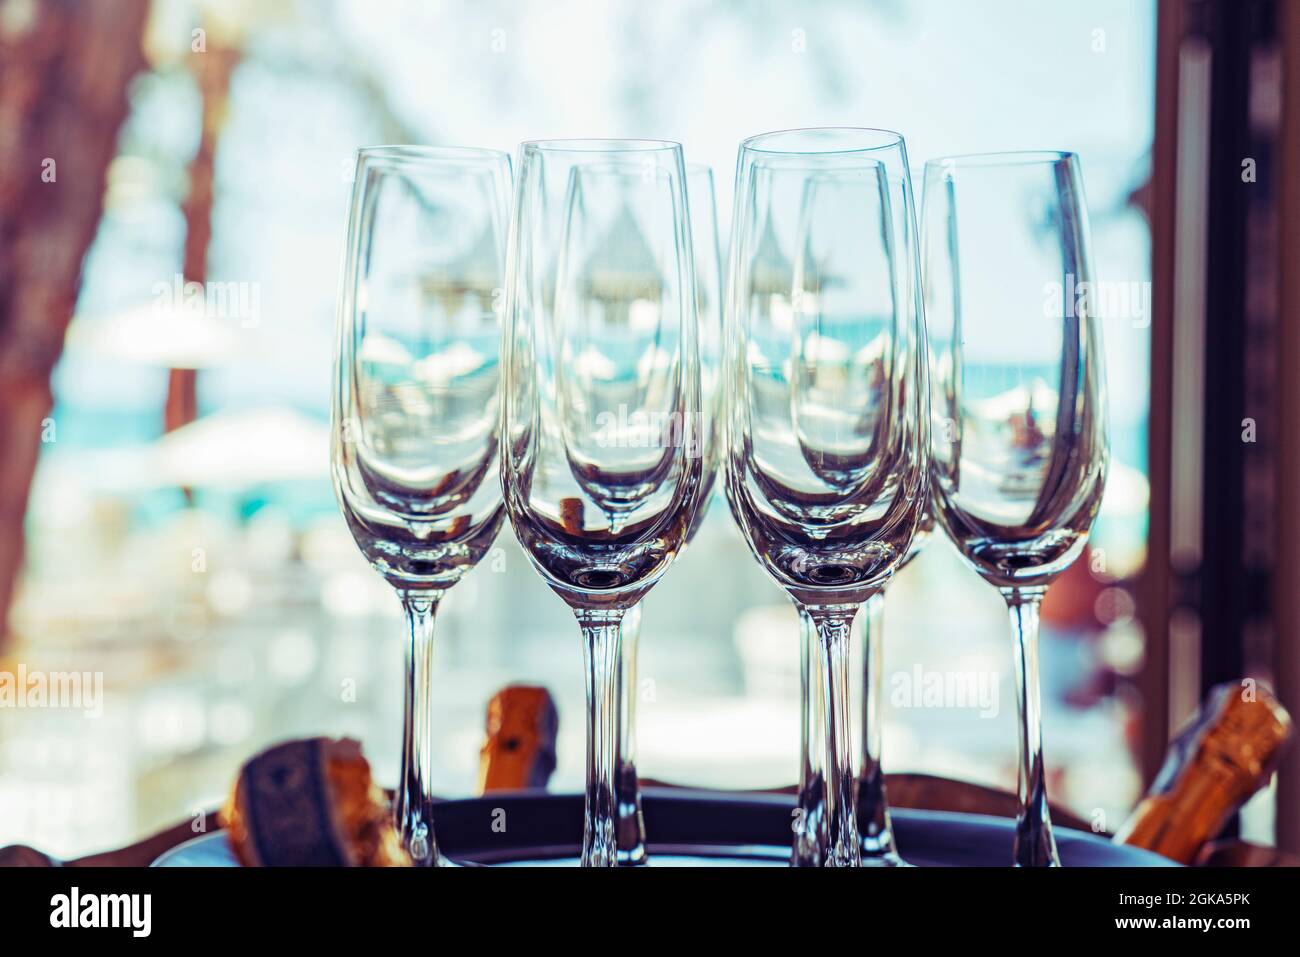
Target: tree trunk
[
  {"x": 64, "y": 70},
  {"x": 212, "y": 72}
]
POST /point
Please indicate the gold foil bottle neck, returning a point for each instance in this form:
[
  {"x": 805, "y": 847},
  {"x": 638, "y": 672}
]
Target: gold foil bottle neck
[{"x": 1213, "y": 766}]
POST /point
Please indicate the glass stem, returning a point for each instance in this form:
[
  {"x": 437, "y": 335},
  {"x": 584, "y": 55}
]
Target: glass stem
[
  {"x": 810, "y": 812},
  {"x": 874, "y": 826},
  {"x": 630, "y": 826},
  {"x": 413, "y": 801},
  {"x": 601, "y": 635},
  {"x": 1034, "y": 844},
  {"x": 834, "y": 627}
]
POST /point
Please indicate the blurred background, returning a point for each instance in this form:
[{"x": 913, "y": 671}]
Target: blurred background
[{"x": 169, "y": 520}]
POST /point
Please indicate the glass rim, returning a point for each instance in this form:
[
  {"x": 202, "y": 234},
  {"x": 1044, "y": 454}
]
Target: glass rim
[
  {"x": 872, "y": 139},
  {"x": 599, "y": 145},
  {"x": 399, "y": 153},
  {"x": 1003, "y": 158}
]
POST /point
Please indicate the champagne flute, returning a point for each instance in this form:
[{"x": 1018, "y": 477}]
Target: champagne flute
[
  {"x": 1020, "y": 449},
  {"x": 602, "y": 464},
  {"x": 630, "y": 827},
  {"x": 827, "y": 424},
  {"x": 874, "y": 825},
  {"x": 414, "y": 417},
  {"x": 810, "y": 836}
]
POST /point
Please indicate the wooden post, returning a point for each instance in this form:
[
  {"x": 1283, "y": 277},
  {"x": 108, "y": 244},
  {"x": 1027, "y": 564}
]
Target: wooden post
[
  {"x": 1155, "y": 589},
  {"x": 1286, "y": 663},
  {"x": 212, "y": 68}
]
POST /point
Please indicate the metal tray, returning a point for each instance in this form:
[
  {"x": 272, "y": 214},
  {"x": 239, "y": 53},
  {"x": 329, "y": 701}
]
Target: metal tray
[{"x": 701, "y": 828}]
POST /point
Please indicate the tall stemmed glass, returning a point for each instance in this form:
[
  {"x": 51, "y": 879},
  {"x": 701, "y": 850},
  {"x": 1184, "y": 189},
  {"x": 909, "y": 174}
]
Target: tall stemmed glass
[
  {"x": 630, "y": 827},
  {"x": 414, "y": 418},
  {"x": 602, "y": 464},
  {"x": 1020, "y": 448},
  {"x": 875, "y": 827},
  {"x": 827, "y": 438}
]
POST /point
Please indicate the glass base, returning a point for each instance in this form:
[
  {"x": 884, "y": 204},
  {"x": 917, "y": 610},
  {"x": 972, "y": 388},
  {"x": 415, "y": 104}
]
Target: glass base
[{"x": 884, "y": 860}]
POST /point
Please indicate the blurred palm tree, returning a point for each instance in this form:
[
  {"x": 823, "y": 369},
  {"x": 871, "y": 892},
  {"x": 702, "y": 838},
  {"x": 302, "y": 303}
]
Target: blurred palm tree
[{"x": 64, "y": 72}]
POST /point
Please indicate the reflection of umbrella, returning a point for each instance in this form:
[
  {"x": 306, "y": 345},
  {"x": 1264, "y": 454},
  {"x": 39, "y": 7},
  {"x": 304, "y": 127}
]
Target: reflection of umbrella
[
  {"x": 771, "y": 273},
  {"x": 622, "y": 269},
  {"x": 1038, "y": 396},
  {"x": 240, "y": 449},
  {"x": 174, "y": 338},
  {"x": 477, "y": 273}
]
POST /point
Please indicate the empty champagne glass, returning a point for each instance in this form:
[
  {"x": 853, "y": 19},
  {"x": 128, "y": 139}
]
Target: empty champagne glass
[
  {"x": 827, "y": 424},
  {"x": 874, "y": 825},
  {"x": 875, "y": 828},
  {"x": 630, "y": 827},
  {"x": 602, "y": 463},
  {"x": 414, "y": 418},
  {"x": 810, "y": 836},
  {"x": 1020, "y": 449}
]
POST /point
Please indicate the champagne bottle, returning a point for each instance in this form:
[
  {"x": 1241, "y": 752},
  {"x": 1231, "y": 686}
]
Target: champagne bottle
[
  {"x": 522, "y": 724},
  {"x": 1226, "y": 754}
]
